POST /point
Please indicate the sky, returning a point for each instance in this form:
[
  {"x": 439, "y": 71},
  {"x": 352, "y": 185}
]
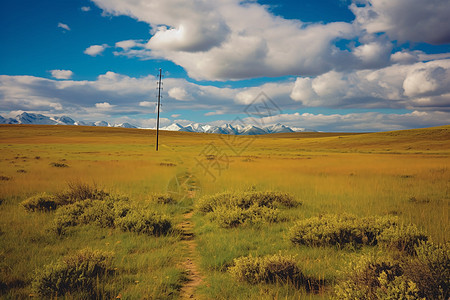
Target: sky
[{"x": 328, "y": 65}]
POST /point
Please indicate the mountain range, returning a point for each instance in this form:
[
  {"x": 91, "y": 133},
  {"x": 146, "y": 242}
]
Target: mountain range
[{"x": 38, "y": 119}]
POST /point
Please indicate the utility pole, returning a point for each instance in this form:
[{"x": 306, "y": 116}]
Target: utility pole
[{"x": 159, "y": 87}]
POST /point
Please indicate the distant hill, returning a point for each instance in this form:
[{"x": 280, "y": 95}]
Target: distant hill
[{"x": 38, "y": 119}]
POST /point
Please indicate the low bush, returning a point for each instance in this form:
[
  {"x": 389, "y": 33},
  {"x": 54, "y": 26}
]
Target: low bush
[
  {"x": 424, "y": 276},
  {"x": 145, "y": 222},
  {"x": 234, "y": 209},
  {"x": 372, "y": 279},
  {"x": 246, "y": 200},
  {"x": 76, "y": 192},
  {"x": 345, "y": 230},
  {"x": 79, "y": 191},
  {"x": 254, "y": 215},
  {"x": 80, "y": 273},
  {"x": 41, "y": 202},
  {"x": 110, "y": 213},
  {"x": 430, "y": 269},
  {"x": 267, "y": 269},
  {"x": 163, "y": 199},
  {"x": 402, "y": 237},
  {"x": 58, "y": 165}
]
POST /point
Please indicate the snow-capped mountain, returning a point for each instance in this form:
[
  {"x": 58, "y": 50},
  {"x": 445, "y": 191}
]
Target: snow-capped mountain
[
  {"x": 38, "y": 119},
  {"x": 234, "y": 130}
]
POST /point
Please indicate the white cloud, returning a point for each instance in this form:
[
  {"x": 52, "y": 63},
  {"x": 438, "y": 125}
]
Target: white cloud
[
  {"x": 61, "y": 74},
  {"x": 406, "y": 20},
  {"x": 179, "y": 94},
  {"x": 397, "y": 86},
  {"x": 128, "y": 44},
  {"x": 147, "y": 104},
  {"x": 95, "y": 50},
  {"x": 371, "y": 121},
  {"x": 175, "y": 115},
  {"x": 231, "y": 39},
  {"x": 104, "y": 105},
  {"x": 85, "y": 8},
  {"x": 64, "y": 26}
]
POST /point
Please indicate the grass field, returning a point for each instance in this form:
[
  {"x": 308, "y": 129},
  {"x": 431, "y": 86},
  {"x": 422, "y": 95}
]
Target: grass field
[{"x": 401, "y": 174}]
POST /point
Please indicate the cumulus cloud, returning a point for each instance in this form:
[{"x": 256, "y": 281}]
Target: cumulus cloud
[
  {"x": 64, "y": 26},
  {"x": 128, "y": 44},
  {"x": 147, "y": 104},
  {"x": 95, "y": 50},
  {"x": 85, "y": 8},
  {"x": 61, "y": 74},
  {"x": 231, "y": 39},
  {"x": 179, "y": 94},
  {"x": 406, "y": 20},
  {"x": 104, "y": 105},
  {"x": 398, "y": 86},
  {"x": 423, "y": 88},
  {"x": 371, "y": 121}
]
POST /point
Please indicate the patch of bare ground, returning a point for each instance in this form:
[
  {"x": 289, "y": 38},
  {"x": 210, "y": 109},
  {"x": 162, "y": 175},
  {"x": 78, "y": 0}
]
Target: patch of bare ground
[{"x": 194, "y": 277}]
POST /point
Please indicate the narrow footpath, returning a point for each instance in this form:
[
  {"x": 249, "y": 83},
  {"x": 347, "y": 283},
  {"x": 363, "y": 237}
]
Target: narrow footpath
[{"x": 194, "y": 277}]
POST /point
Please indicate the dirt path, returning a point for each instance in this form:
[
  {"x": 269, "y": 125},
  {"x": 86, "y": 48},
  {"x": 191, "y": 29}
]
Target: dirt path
[{"x": 190, "y": 264}]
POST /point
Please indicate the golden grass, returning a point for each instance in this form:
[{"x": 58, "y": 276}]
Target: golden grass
[{"x": 405, "y": 173}]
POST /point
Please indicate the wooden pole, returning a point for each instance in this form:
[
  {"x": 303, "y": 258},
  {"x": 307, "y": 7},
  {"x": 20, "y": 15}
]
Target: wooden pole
[{"x": 159, "y": 103}]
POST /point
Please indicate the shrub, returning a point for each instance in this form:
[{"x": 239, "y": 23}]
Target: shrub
[
  {"x": 234, "y": 209},
  {"x": 4, "y": 178},
  {"x": 81, "y": 272},
  {"x": 78, "y": 191},
  {"x": 403, "y": 238},
  {"x": 163, "y": 199},
  {"x": 338, "y": 230},
  {"x": 58, "y": 165},
  {"x": 245, "y": 200},
  {"x": 208, "y": 203},
  {"x": 343, "y": 230},
  {"x": 41, "y": 202},
  {"x": 267, "y": 269},
  {"x": 370, "y": 278},
  {"x": 102, "y": 213},
  {"x": 424, "y": 276},
  {"x": 235, "y": 216},
  {"x": 430, "y": 269},
  {"x": 145, "y": 222}
]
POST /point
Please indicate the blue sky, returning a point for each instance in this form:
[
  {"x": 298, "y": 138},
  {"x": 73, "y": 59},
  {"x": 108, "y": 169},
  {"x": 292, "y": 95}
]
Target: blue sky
[{"x": 342, "y": 65}]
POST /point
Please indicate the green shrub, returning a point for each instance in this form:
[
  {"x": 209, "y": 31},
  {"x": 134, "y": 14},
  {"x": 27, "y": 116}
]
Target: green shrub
[
  {"x": 343, "y": 230},
  {"x": 366, "y": 278},
  {"x": 41, "y": 202},
  {"x": 430, "y": 269},
  {"x": 58, "y": 165},
  {"x": 69, "y": 216},
  {"x": 163, "y": 199},
  {"x": 254, "y": 215},
  {"x": 78, "y": 191},
  {"x": 234, "y": 209},
  {"x": 101, "y": 213},
  {"x": 338, "y": 230},
  {"x": 423, "y": 276},
  {"x": 245, "y": 200},
  {"x": 403, "y": 238},
  {"x": 208, "y": 203},
  {"x": 267, "y": 269},
  {"x": 81, "y": 273},
  {"x": 146, "y": 222}
]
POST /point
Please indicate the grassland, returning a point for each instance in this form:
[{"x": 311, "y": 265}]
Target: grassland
[{"x": 401, "y": 173}]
